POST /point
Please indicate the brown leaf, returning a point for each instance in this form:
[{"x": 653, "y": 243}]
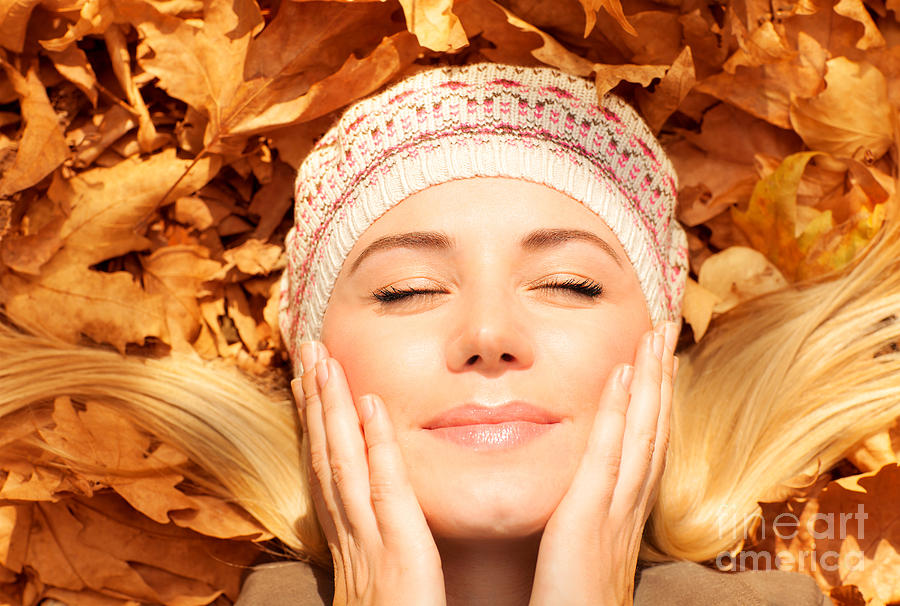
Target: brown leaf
[
  {"x": 245, "y": 85},
  {"x": 103, "y": 545},
  {"x": 107, "y": 307},
  {"x": 42, "y": 147},
  {"x": 846, "y": 534},
  {"x": 273, "y": 201},
  {"x": 255, "y": 257},
  {"x": 177, "y": 273},
  {"x": 516, "y": 40},
  {"x": 107, "y": 204},
  {"x": 736, "y": 274},
  {"x": 875, "y": 452},
  {"x": 613, "y": 7},
  {"x": 763, "y": 79},
  {"x": 698, "y": 307},
  {"x": 851, "y": 117},
  {"x": 609, "y": 76},
  {"x": 95, "y": 17},
  {"x": 718, "y": 164},
  {"x": 27, "y": 253},
  {"x": 238, "y": 309},
  {"x": 72, "y": 63},
  {"x": 656, "y": 107},
  {"x": 14, "y": 15},
  {"x": 93, "y": 138},
  {"x": 148, "y": 138},
  {"x": 856, "y": 10}
]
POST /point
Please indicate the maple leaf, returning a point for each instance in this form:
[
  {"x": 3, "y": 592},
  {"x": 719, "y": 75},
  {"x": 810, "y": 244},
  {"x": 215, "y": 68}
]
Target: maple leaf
[{"x": 107, "y": 205}]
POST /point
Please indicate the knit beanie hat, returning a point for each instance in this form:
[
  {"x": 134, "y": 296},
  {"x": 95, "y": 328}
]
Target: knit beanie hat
[{"x": 481, "y": 120}]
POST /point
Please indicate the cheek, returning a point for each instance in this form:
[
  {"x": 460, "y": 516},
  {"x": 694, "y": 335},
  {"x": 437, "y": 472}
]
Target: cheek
[{"x": 380, "y": 360}]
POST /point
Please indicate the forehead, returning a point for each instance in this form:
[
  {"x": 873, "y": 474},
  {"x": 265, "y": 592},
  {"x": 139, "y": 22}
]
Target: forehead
[{"x": 500, "y": 208}]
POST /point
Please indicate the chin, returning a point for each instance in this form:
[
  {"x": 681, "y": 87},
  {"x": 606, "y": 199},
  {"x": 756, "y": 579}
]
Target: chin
[{"x": 499, "y": 509}]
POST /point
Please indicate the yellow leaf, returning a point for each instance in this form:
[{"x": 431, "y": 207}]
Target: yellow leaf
[
  {"x": 802, "y": 241},
  {"x": 736, "y": 274},
  {"x": 698, "y": 307},
  {"x": 434, "y": 24}
]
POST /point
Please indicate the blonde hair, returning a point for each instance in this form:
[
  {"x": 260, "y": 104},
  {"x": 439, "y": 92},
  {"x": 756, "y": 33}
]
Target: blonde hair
[
  {"x": 240, "y": 433},
  {"x": 780, "y": 388}
]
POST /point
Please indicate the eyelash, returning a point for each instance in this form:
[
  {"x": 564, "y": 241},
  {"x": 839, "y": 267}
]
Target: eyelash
[{"x": 583, "y": 287}]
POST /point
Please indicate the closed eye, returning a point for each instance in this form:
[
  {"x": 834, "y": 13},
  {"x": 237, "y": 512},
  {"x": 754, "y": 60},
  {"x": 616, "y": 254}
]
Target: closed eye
[{"x": 582, "y": 287}]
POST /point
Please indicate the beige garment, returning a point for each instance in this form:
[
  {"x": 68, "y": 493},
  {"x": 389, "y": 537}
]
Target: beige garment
[{"x": 674, "y": 584}]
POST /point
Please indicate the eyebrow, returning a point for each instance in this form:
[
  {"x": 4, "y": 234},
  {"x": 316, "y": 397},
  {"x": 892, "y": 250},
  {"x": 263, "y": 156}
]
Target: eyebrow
[{"x": 539, "y": 239}]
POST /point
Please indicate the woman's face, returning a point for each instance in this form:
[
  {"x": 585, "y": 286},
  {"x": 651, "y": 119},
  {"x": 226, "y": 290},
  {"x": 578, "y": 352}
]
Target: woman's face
[{"x": 492, "y": 329}]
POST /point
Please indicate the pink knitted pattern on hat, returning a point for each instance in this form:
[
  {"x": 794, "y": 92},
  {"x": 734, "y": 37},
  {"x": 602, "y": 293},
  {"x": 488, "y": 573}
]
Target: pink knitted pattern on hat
[{"x": 483, "y": 119}]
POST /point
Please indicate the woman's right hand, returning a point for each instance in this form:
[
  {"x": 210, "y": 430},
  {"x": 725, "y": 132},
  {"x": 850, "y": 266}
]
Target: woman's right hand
[{"x": 383, "y": 550}]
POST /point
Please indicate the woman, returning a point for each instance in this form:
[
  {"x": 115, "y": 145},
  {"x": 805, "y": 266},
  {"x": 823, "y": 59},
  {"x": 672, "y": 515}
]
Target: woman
[{"x": 484, "y": 282}]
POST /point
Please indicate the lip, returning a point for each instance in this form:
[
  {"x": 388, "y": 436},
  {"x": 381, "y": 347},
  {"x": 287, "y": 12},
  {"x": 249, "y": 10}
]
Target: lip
[
  {"x": 484, "y": 428},
  {"x": 476, "y": 414}
]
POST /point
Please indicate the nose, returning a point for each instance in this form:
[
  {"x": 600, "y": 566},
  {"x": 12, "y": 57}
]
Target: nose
[{"x": 490, "y": 335}]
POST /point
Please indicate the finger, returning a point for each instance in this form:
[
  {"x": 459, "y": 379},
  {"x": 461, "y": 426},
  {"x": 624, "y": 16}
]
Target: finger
[
  {"x": 591, "y": 490},
  {"x": 321, "y": 478},
  {"x": 658, "y": 464},
  {"x": 398, "y": 513},
  {"x": 346, "y": 450},
  {"x": 650, "y": 489},
  {"x": 641, "y": 421}
]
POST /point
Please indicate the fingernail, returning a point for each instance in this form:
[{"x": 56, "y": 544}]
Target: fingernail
[
  {"x": 307, "y": 355},
  {"x": 625, "y": 376},
  {"x": 675, "y": 368},
  {"x": 321, "y": 373}
]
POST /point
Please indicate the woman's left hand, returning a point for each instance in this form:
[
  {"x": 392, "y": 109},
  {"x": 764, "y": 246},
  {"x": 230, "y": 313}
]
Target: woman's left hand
[{"x": 588, "y": 552}]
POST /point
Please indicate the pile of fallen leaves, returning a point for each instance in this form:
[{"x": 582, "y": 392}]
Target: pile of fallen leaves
[{"x": 147, "y": 153}]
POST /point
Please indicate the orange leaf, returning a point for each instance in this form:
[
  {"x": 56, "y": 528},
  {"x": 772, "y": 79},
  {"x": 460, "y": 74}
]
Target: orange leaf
[
  {"x": 851, "y": 117},
  {"x": 42, "y": 147},
  {"x": 613, "y": 7}
]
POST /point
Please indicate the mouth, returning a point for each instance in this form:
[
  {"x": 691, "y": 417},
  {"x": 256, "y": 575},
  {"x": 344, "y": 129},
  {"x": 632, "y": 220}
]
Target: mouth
[{"x": 484, "y": 428}]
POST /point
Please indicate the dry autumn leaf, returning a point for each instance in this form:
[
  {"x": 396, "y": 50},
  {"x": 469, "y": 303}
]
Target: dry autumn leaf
[
  {"x": 801, "y": 240},
  {"x": 42, "y": 146},
  {"x": 147, "y": 157},
  {"x": 843, "y": 534},
  {"x": 851, "y": 117}
]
